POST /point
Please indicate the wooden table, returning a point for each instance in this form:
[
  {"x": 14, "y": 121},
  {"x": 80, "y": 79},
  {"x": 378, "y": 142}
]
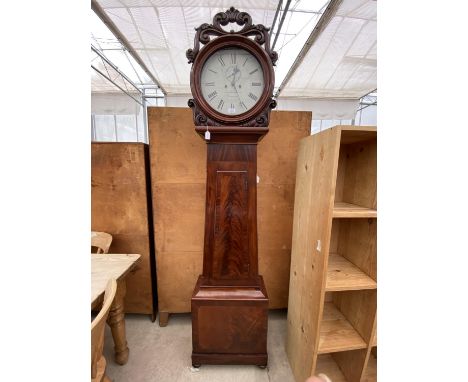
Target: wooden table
[{"x": 103, "y": 268}]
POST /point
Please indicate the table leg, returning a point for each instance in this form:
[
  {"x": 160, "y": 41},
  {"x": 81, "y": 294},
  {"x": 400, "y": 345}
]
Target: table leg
[{"x": 116, "y": 321}]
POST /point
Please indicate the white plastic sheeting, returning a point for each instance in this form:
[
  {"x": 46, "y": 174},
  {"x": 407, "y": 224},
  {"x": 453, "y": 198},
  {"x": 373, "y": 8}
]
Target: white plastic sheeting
[
  {"x": 342, "y": 63},
  {"x": 161, "y": 31}
]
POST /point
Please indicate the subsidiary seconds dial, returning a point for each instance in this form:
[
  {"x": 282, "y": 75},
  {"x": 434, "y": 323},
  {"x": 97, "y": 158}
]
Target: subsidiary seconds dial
[{"x": 232, "y": 81}]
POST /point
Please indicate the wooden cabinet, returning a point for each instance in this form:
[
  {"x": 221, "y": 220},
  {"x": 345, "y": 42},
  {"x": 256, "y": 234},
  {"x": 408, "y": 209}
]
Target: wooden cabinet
[
  {"x": 121, "y": 206},
  {"x": 333, "y": 279}
]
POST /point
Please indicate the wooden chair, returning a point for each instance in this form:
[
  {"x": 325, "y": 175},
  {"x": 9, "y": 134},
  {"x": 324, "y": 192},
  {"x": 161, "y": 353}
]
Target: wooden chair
[
  {"x": 101, "y": 241},
  {"x": 98, "y": 362}
]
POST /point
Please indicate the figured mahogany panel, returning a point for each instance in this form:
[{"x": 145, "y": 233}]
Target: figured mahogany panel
[
  {"x": 242, "y": 328},
  {"x": 231, "y": 257},
  {"x": 230, "y": 245}
]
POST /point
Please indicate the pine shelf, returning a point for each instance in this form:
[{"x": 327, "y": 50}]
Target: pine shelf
[
  {"x": 327, "y": 365},
  {"x": 336, "y": 333},
  {"x": 348, "y": 210},
  {"x": 332, "y": 301},
  {"x": 344, "y": 275}
]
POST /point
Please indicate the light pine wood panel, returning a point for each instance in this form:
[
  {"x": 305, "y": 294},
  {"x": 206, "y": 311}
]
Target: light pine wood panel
[
  {"x": 353, "y": 134},
  {"x": 336, "y": 333},
  {"x": 359, "y": 308},
  {"x": 327, "y": 365},
  {"x": 351, "y": 363},
  {"x": 358, "y": 244},
  {"x": 178, "y": 170},
  {"x": 344, "y": 275},
  {"x": 119, "y": 206},
  {"x": 359, "y": 185},
  {"x": 317, "y": 160},
  {"x": 348, "y": 210},
  {"x": 370, "y": 373}
]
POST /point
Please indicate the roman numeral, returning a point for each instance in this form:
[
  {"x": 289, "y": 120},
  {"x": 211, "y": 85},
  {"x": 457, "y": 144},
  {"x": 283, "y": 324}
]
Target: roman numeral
[
  {"x": 253, "y": 71},
  {"x": 245, "y": 61},
  {"x": 212, "y": 95},
  {"x": 220, "y": 105},
  {"x": 233, "y": 58},
  {"x": 221, "y": 61},
  {"x": 242, "y": 104},
  {"x": 256, "y": 84},
  {"x": 232, "y": 106},
  {"x": 211, "y": 70},
  {"x": 253, "y": 96},
  {"x": 209, "y": 83}
]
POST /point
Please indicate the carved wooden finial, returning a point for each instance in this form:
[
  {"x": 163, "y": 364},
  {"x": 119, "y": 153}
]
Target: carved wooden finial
[{"x": 232, "y": 15}]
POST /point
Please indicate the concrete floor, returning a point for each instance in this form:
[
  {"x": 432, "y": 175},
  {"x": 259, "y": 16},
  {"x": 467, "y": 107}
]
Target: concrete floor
[{"x": 163, "y": 354}]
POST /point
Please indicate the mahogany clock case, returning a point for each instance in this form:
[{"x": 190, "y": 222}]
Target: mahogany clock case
[
  {"x": 230, "y": 303},
  {"x": 232, "y": 41}
]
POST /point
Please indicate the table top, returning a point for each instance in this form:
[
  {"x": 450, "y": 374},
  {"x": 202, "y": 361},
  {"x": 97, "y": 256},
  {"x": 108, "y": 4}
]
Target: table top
[{"x": 105, "y": 266}]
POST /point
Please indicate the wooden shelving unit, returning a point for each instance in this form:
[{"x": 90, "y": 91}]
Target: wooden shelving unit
[{"x": 333, "y": 279}]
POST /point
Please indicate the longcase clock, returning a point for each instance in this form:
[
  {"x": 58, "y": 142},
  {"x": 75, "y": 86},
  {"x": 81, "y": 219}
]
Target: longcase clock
[{"x": 232, "y": 81}]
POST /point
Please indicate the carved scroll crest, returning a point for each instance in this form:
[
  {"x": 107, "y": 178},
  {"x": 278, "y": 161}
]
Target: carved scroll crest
[{"x": 205, "y": 31}]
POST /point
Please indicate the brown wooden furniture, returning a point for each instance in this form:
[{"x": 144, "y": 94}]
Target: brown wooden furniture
[
  {"x": 98, "y": 362},
  {"x": 101, "y": 241},
  {"x": 105, "y": 267},
  {"x": 333, "y": 280},
  {"x": 230, "y": 302},
  {"x": 178, "y": 172},
  {"x": 121, "y": 206}
]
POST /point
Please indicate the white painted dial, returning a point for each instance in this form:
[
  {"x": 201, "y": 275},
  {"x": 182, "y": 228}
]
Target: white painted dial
[{"x": 232, "y": 81}]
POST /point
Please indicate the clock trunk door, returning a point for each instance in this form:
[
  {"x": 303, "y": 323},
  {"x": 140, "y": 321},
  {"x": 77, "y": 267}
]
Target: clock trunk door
[{"x": 231, "y": 240}]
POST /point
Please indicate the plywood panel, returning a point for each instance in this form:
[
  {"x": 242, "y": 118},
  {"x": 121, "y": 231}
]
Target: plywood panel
[
  {"x": 179, "y": 216},
  {"x": 177, "y": 276},
  {"x": 119, "y": 206},
  {"x": 178, "y": 170}
]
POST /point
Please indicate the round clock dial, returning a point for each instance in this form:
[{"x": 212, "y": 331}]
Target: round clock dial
[{"x": 232, "y": 81}]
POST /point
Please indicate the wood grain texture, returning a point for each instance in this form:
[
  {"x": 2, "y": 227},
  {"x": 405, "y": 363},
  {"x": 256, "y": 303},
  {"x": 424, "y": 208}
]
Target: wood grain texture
[
  {"x": 357, "y": 175},
  {"x": 336, "y": 333},
  {"x": 327, "y": 365},
  {"x": 359, "y": 308},
  {"x": 178, "y": 170},
  {"x": 98, "y": 362},
  {"x": 315, "y": 186},
  {"x": 348, "y": 210},
  {"x": 344, "y": 275},
  {"x": 351, "y": 363},
  {"x": 105, "y": 267},
  {"x": 370, "y": 374},
  {"x": 120, "y": 206},
  {"x": 357, "y": 243},
  {"x": 330, "y": 196}
]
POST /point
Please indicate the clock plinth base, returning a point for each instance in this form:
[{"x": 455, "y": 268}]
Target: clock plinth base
[{"x": 229, "y": 324}]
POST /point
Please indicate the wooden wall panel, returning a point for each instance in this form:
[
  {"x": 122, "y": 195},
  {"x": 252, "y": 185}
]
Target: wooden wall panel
[
  {"x": 178, "y": 170},
  {"x": 119, "y": 206}
]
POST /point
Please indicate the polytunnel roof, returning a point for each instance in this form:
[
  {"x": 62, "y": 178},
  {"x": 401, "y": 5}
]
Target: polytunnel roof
[{"x": 340, "y": 62}]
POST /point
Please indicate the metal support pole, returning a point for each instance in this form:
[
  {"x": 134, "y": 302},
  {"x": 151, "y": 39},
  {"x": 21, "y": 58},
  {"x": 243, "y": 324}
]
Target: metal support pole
[
  {"x": 115, "y": 128},
  {"x": 283, "y": 17},
  {"x": 116, "y": 32},
  {"x": 276, "y": 16},
  {"x": 327, "y": 15},
  {"x": 145, "y": 120}
]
